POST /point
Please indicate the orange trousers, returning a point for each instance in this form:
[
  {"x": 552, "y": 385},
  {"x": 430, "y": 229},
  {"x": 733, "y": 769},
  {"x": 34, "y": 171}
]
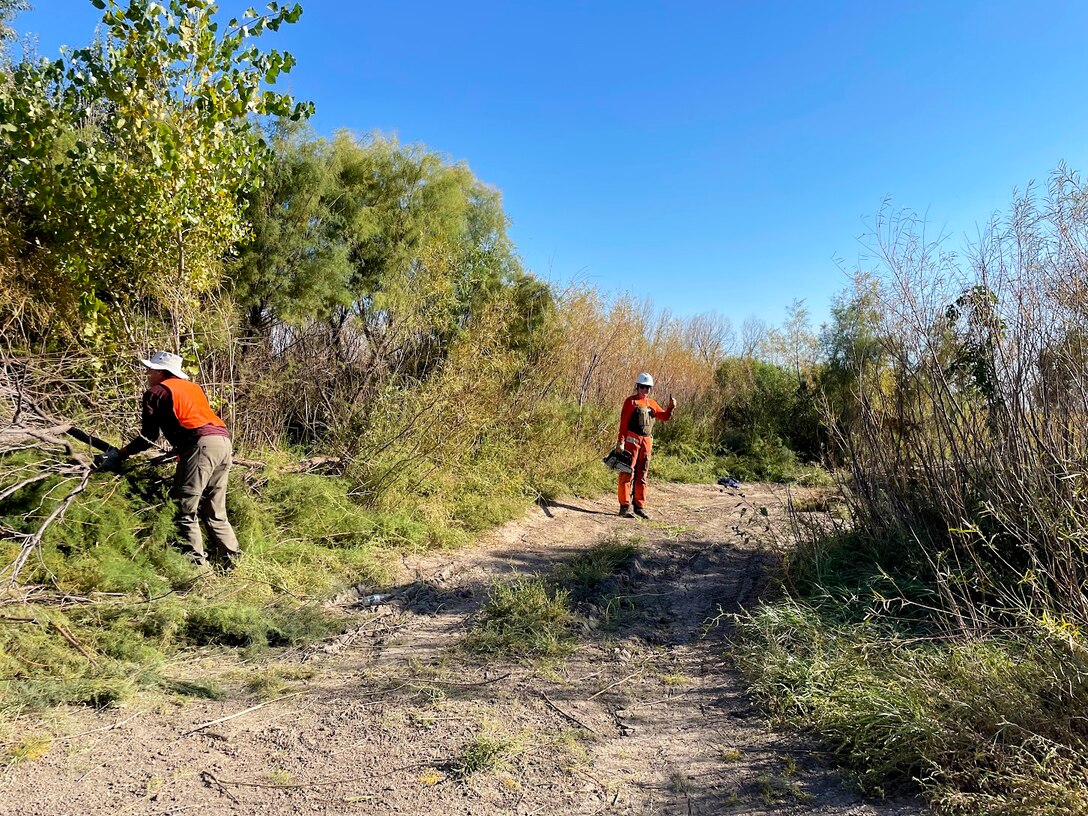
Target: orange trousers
[{"x": 640, "y": 447}]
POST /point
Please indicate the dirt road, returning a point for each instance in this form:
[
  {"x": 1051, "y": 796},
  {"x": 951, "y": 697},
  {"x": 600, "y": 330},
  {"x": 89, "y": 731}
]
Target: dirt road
[{"x": 645, "y": 716}]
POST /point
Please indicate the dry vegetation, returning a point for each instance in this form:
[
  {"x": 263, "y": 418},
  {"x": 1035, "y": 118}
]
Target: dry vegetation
[
  {"x": 398, "y": 381},
  {"x": 951, "y": 608}
]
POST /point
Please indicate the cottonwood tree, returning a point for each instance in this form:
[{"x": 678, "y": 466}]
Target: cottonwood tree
[{"x": 123, "y": 163}]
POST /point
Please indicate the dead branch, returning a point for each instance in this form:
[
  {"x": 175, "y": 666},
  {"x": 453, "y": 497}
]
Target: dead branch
[
  {"x": 237, "y": 714},
  {"x": 564, "y": 714},
  {"x": 619, "y": 682},
  {"x": 41, "y": 477},
  {"x": 64, "y": 633},
  {"x": 15, "y": 434},
  {"x": 210, "y": 779}
]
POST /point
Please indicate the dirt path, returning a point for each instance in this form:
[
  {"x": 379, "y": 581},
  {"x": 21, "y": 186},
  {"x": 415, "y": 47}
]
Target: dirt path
[{"x": 646, "y": 716}]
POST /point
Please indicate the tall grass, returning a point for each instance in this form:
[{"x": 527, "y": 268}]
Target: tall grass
[
  {"x": 985, "y": 725},
  {"x": 940, "y": 641}
]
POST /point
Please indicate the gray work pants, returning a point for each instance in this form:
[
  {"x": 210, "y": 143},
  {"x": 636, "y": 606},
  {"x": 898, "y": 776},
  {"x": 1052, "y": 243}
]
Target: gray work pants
[{"x": 200, "y": 488}]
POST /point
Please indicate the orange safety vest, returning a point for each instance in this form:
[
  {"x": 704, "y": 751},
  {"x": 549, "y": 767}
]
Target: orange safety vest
[
  {"x": 638, "y": 414},
  {"x": 191, "y": 405}
]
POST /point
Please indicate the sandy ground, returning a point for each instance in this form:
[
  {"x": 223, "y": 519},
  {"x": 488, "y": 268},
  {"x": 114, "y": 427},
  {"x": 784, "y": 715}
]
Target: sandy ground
[{"x": 646, "y": 716}]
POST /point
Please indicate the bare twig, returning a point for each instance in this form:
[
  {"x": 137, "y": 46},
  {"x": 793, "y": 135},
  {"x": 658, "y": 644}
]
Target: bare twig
[
  {"x": 64, "y": 633},
  {"x": 237, "y": 714},
  {"x": 32, "y": 542},
  {"x": 619, "y": 682},
  {"x": 565, "y": 715}
]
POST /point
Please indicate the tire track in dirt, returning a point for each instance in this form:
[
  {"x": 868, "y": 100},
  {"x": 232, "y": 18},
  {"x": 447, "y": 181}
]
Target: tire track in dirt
[{"x": 647, "y": 716}]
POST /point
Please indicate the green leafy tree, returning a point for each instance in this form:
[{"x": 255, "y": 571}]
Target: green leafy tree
[
  {"x": 855, "y": 358},
  {"x": 392, "y": 247},
  {"x": 764, "y": 409},
  {"x": 296, "y": 265},
  {"x": 124, "y": 162},
  {"x": 429, "y": 249},
  {"x": 8, "y": 10},
  {"x": 369, "y": 262}
]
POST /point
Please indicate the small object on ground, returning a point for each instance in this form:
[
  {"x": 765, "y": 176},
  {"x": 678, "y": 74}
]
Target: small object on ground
[
  {"x": 728, "y": 481},
  {"x": 641, "y": 513},
  {"x": 625, "y": 511},
  {"x": 619, "y": 460}
]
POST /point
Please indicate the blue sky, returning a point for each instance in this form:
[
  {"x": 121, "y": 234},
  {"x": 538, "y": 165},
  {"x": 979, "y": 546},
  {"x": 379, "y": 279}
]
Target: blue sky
[{"x": 710, "y": 156}]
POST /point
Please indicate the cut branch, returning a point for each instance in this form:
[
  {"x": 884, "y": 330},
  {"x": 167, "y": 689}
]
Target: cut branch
[{"x": 34, "y": 541}]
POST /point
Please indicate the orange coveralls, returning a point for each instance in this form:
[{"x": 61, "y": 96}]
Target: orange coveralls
[{"x": 640, "y": 446}]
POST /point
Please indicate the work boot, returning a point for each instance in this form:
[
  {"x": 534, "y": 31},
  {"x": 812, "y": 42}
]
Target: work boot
[
  {"x": 225, "y": 562},
  {"x": 197, "y": 559},
  {"x": 625, "y": 511},
  {"x": 641, "y": 513},
  {"x": 200, "y": 569}
]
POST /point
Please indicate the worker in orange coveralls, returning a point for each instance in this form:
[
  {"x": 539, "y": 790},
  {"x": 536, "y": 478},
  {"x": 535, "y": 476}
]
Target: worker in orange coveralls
[{"x": 637, "y": 419}]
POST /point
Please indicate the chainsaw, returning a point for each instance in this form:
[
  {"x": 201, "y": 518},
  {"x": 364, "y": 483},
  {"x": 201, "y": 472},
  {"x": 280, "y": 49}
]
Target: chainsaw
[{"x": 619, "y": 460}]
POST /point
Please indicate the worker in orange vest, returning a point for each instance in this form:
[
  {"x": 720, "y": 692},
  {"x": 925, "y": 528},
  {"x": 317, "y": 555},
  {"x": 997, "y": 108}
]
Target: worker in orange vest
[
  {"x": 179, "y": 409},
  {"x": 637, "y": 419}
]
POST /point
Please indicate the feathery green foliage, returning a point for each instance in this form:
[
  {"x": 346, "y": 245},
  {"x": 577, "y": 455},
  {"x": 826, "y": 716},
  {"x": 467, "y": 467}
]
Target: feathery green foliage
[{"x": 136, "y": 601}]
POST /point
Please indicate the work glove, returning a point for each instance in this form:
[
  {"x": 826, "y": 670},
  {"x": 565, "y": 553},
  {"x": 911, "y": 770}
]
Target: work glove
[
  {"x": 620, "y": 448},
  {"x": 110, "y": 460},
  {"x": 672, "y": 402}
]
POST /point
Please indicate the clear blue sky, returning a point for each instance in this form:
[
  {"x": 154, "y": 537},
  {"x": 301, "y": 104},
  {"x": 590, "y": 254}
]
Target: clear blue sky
[{"x": 714, "y": 156}]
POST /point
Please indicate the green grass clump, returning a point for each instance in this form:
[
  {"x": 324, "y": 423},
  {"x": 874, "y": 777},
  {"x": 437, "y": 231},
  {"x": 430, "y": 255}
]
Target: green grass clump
[
  {"x": 27, "y": 749},
  {"x": 586, "y": 571},
  {"x": 535, "y": 617},
  {"x": 854, "y": 577},
  {"x": 523, "y": 618},
  {"x": 201, "y": 689},
  {"x": 246, "y": 626},
  {"x": 669, "y": 467},
  {"x": 483, "y": 754},
  {"x": 984, "y": 725}
]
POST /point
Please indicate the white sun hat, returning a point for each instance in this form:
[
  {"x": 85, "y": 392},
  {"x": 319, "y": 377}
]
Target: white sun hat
[{"x": 166, "y": 361}]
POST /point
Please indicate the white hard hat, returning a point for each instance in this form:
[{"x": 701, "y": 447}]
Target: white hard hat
[{"x": 645, "y": 379}]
